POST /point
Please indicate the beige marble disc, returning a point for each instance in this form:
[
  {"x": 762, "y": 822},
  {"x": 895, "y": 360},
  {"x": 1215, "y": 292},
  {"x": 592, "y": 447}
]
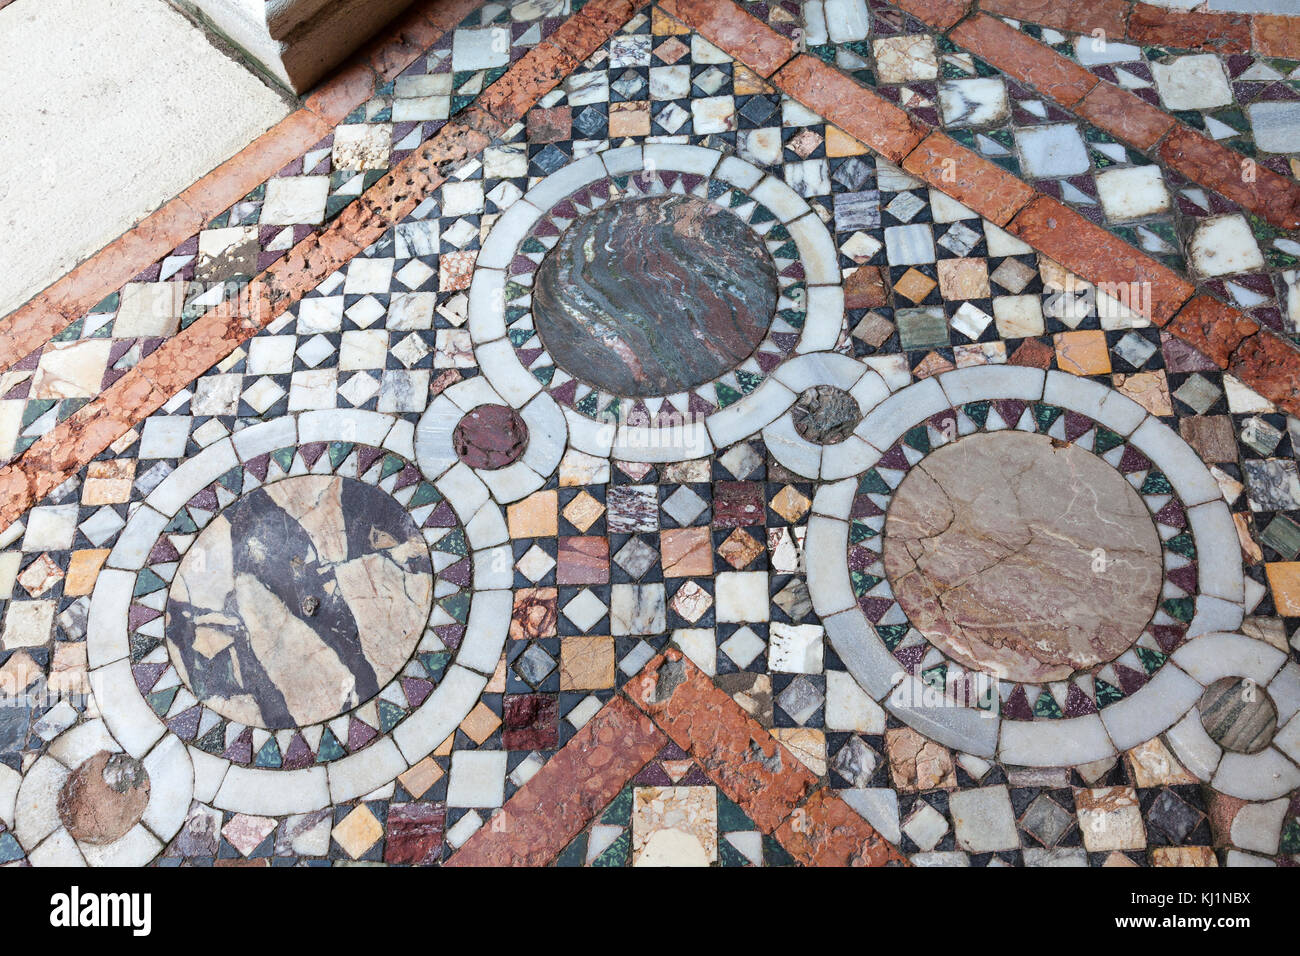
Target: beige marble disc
[{"x": 1021, "y": 556}]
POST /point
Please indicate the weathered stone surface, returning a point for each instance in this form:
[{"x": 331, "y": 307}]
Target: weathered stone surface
[
  {"x": 104, "y": 798},
  {"x": 575, "y": 785},
  {"x": 1238, "y": 714},
  {"x": 826, "y": 415},
  {"x": 654, "y": 296},
  {"x": 299, "y": 602},
  {"x": 490, "y": 436},
  {"x": 992, "y": 544}
]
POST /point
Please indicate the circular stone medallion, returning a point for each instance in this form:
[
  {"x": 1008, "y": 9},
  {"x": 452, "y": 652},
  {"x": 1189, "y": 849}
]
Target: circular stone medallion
[
  {"x": 656, "y": 295},
  {"x": 826, "y": 415},
  {"x": 104, "y": 798},
  {"x": 490, "y": 437},
  {"x": 1022, "y": 557},
  {"x": 300, "y": 601},
  {"x": 1238, "y": 714}
]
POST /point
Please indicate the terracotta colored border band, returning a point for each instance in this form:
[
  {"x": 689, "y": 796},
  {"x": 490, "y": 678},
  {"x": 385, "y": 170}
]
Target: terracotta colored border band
[
  {"x": 566, "y": 794},
  {"x": 672, "y": 699},
  {"x": 1143, "y": 23},
  {"x": 79, "y": 438},
  {"x": 1272, "y": 197},
  {"x": 1261, "y": 358},
  {"x": 32, "y": 324}
]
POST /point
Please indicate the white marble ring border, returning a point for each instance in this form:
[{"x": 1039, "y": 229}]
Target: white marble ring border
[
  {"x": 40, "y": 831},
  {"x": 1273, "y": 771},
  {"x": 547, "y": 436},
  {"x": 783, "y": 440},
  {"x": 269, "y": 792},
  {"x": 1137, "y": 718},
  {"x": 824, "y": 306}
]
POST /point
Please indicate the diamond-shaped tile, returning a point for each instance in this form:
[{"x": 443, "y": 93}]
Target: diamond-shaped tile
[
  {"x": 926, "y": 826},
  {"x": 636, "y": 557},
  {"x": 1198, "y": 393},
  {"x": 585, "y": 609},
  {"x": 1046, "y": 821},
  {"x": 800, "y": 699},
  {"x": 684, "y": 505},
  {"x": 583, "y": 511},
  {"x": 739, "y": 548},
  {"x": 691, "y": 601},
  {"x": 743, "y": 647},
  {"x": 358, "y": 832},
  {"x": 535, "y": 564},
  {"x": 534, "y": 664}
]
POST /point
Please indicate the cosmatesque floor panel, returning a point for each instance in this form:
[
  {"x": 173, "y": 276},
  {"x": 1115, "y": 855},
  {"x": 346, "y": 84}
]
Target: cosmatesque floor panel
[{"x": 684, "y": 434}]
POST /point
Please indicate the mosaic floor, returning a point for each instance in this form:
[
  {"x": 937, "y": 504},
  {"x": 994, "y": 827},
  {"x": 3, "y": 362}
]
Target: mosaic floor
[{"x": 687, "y": 433}]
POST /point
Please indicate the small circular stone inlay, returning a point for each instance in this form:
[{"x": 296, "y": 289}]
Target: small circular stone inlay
[
  {"x": 299, "y": 602},
  {"x": 1238, "y": 714},
  {"x": 104, "y": 798},
  {"x": 490, "y": 437},
  {"x": 826, "y": 415},
  {"x": 1022, "y": 557},
  {"x": 656, "y": 295}
]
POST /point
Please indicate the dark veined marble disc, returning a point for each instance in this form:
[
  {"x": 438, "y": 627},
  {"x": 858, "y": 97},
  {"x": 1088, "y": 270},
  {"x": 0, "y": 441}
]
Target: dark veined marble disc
[
  {"x": 654, "y": 296},
  {"x": 299, "y": 602}
]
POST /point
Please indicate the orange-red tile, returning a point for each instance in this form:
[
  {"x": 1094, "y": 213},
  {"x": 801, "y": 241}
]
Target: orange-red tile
[
  {"x": 725, "y": 25},
  {"x": 1273, "y": 198},
  {"x": 1271, "y": 366},
  {"x": 969, "y": 178},
  {"x": 1212, "y": 328},
  {"x": 1025, "y": 58},
  {"x": 1219, "y": 32},
  {"x": 256, "y": 163},
  {"x": 1125, "y": 115},
  {"x": 737, "y": 754},
  {"x": 563, "y": 797},
  {"x": 1276, "y": 35},
  {"x": 941, "y": 14},
  {"x": 860, "y": 113},
  {"x": 1081, "y": 16},
  {"x": 826, "y": 831},
  {"x": 1093, "y": 253}
]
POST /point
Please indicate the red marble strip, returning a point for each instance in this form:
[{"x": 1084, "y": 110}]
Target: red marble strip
[
  {"x": 72, "y": 296},
  {"x": 1265, "y": 361},
  {"x": 566, "y": 794},
  {"x": 1144, "y": 23},
  {"x": 1079, "y": 16},
  {"x": 1274, "y": 198},
  {"x": 775, "y": 790},
  {"x": 940, "y": 14},
  {"x": 1099, "y": 256},
  {"x": 969, "y": 178},
  {"x": 872, "y": 120},
  {"x": 1125, "y": 115},
  {"x": 826, "y": 831},
  {"x": 1212, "y": 328},
  {"x": 92, "y": 428},
  {"x": 727, "y": 26},
  {"x": 1024, "y": 58},
  {"x": 1217, "y": 32},
  {"x": 732, "y": 748},
  {"x": 1276, "y": 35}
]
